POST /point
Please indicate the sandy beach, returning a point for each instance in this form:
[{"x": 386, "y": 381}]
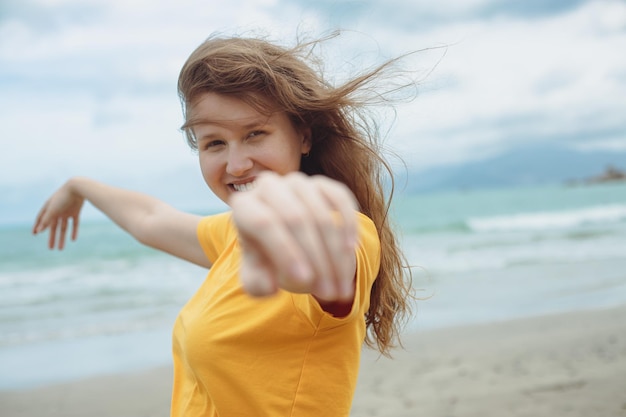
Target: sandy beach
[{"x": 564, "y": 365}]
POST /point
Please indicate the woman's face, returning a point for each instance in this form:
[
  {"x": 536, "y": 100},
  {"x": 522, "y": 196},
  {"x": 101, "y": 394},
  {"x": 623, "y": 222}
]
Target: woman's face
[{"x": 236, "y": 143}]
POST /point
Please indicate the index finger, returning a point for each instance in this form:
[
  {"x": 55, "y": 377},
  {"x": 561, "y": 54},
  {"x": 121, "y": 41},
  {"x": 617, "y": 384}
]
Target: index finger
[{"x": 38, "y": 226}]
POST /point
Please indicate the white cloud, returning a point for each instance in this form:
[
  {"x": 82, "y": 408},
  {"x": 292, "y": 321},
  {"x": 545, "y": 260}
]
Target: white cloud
[{"x": 512, "y": 80}]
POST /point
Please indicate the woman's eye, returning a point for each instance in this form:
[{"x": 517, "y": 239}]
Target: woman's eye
[
  {"x": 212, "y": 144},
  {"x": 256, "y": 133}
]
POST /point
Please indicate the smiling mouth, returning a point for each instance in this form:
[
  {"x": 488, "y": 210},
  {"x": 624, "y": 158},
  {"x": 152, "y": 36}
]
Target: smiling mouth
[{"x": 244, "y": 187}]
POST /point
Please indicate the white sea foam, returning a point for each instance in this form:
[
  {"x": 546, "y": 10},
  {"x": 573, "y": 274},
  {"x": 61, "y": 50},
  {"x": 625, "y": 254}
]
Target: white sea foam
[
  {"x": 453, "y": 253},
  {"x": 549, "y": 220}
]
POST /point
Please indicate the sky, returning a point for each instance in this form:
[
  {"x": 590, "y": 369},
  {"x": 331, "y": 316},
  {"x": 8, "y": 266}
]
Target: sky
[{"x": 89, "y": 87}]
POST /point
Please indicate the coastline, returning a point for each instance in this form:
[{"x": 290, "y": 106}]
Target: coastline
[{"x": 569, "y": 364}]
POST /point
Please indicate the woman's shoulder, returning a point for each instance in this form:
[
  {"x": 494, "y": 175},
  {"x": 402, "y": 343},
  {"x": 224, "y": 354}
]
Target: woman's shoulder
[
  {"x": 216, "y": 227},
  {"x": 366, "y": 224},
  {"x": 365, "y": 220},
  {"x": 369, "y": 240}
]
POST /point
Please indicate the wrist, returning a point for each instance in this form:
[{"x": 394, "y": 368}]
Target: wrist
[{"x": 74, "y": 187}]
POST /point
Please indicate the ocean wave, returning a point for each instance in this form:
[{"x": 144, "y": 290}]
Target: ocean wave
[
  {"x": 67, "y": 331},
  {"x": 568, "y": 219},
  {"x": 498, "y": 251},
  {"x": 454, "y": 227}
]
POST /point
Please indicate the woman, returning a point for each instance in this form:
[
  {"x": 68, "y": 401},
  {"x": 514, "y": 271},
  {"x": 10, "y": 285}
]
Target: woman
[{"x": 303, "y": 268}]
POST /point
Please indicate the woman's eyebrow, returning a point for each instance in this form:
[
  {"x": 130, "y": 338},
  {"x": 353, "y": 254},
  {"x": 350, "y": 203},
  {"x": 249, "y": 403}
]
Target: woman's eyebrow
[
  {"x": 253, "y": 122},
  {"x": 208, "y": 136}
]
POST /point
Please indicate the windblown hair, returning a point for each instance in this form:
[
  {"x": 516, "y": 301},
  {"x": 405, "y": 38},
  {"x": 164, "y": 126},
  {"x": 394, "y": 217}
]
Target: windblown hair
[{"x": 345, "y": 142}]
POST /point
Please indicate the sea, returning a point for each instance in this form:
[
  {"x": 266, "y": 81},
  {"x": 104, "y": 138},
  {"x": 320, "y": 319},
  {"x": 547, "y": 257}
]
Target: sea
[{"x": 107, "y": 305}]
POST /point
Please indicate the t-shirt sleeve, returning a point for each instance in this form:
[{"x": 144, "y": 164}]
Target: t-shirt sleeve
[
  {"x": 367, "y": 266},
  {"x": 214, "y": 233}
]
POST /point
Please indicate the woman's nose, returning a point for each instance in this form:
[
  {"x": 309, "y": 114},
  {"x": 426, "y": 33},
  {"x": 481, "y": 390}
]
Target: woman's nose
[{"x": 239, "y": 162}]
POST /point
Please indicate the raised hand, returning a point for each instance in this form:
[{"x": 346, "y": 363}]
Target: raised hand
[
  {"x": 62, "y": 206},
  {"x": 297, "y": 233}
]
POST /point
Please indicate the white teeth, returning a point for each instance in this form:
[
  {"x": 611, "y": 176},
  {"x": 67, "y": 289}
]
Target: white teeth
[{"x": 245, "y": 187}]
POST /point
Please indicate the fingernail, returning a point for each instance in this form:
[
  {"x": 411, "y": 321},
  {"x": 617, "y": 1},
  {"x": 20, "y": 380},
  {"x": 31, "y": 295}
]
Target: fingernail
[{"x": 301, "y": 272}]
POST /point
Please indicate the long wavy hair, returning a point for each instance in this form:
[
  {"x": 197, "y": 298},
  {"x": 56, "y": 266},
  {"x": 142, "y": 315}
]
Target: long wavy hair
[{"x": 345, "y": 142}]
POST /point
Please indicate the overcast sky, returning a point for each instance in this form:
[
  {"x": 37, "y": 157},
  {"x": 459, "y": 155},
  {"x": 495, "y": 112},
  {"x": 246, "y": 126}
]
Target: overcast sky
[{"x": 89, "y": 87}]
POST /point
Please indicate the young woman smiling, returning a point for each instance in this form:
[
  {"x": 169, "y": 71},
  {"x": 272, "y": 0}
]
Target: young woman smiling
[{"x": 303, "y": 268}]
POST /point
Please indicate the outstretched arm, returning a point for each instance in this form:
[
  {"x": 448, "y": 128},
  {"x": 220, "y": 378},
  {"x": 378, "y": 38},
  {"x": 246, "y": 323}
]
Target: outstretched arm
[{"x": 149, "y": 220}]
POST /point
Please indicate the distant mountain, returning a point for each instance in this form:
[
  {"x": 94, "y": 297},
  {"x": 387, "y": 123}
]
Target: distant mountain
[{"x": 518, "y": 167}]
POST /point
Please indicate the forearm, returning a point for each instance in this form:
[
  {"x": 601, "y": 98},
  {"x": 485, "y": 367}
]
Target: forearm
[
  {"x": 128, "y": 209},
  {"x": 149, "y": 220}
]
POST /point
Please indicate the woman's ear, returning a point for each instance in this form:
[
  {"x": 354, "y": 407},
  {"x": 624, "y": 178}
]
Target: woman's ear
[{"x": 307, "y": 143}]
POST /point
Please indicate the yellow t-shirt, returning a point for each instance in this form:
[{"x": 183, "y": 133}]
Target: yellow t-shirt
[{"x": 236, "y": 355}]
